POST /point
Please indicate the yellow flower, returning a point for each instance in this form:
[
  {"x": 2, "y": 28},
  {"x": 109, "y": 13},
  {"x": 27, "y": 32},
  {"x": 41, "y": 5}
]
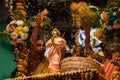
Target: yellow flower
[
  {"x": 20, "y": 32},
  {"x": 73, "y": 6},
  {"x": 98, "y": 33},
  {"x": 45, "y": 12},
  {"x": 23, "y": 12},
  {"x": 15, "y": 30},
  {"x": 79, "y": 11},
  {"x": 19, "y": 28}
]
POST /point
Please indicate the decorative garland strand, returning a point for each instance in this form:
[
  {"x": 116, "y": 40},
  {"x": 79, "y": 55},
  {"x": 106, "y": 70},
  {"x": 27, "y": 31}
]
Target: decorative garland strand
[{"x": 21, "y": 50}]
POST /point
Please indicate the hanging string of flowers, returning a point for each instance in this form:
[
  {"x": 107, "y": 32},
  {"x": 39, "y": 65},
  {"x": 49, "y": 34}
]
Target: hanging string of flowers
[
  {"x": 20, "y": 10},
  {"x": 17, "y": 34}
]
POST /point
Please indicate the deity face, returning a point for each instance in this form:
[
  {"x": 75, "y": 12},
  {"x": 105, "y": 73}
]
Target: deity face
[
  {"x": 40, "y": 47},
  {"x": 55, "y": 34}
]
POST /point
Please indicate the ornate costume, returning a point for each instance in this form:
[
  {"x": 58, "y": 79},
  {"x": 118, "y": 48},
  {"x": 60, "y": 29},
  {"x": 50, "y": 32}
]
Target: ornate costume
[{"x": 56, "y": 52}]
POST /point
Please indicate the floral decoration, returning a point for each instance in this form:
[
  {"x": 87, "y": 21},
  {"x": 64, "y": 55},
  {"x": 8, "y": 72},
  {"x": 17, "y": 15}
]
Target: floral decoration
[
  {"x": 110, "y": 28},
  {"x": 80, "y": 10},
  {"x": 110, "y": 18},
  {"x": 98, "y": 33},
  {"x": 17, "y": 31}
]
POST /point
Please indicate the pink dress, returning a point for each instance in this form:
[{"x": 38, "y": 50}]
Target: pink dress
[{"x": 56, "y": 53}]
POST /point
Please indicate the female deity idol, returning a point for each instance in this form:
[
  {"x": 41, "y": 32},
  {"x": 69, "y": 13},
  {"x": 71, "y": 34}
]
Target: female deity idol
[{"x": 57, "y": 50}]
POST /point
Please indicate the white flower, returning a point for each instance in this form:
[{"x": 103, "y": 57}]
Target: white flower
[
  {"x": 26, "y": 29},
  {"x": 12, "y": 22},
  {"x": 19, "y": 40},
  {"x": 19, "y": 22},
  {"x": 24, "y": 36},
  {"x": 14, "y": 35},
  {"x": 7, "y": 28}
]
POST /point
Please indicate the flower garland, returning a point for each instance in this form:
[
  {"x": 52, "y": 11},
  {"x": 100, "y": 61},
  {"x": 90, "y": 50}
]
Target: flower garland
[
  {"x": 22, "y": 34},
  {"x": 17, "y": 32},
  {"x": 20, "y": 10},
  {"x": 21, "y": 59}
]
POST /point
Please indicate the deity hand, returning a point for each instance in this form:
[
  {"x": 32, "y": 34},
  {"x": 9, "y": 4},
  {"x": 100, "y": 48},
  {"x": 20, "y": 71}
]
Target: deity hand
[{"x": 49, "y": 43}]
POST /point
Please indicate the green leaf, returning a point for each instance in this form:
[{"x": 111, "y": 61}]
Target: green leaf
[{"x": 47, "y": 21}]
